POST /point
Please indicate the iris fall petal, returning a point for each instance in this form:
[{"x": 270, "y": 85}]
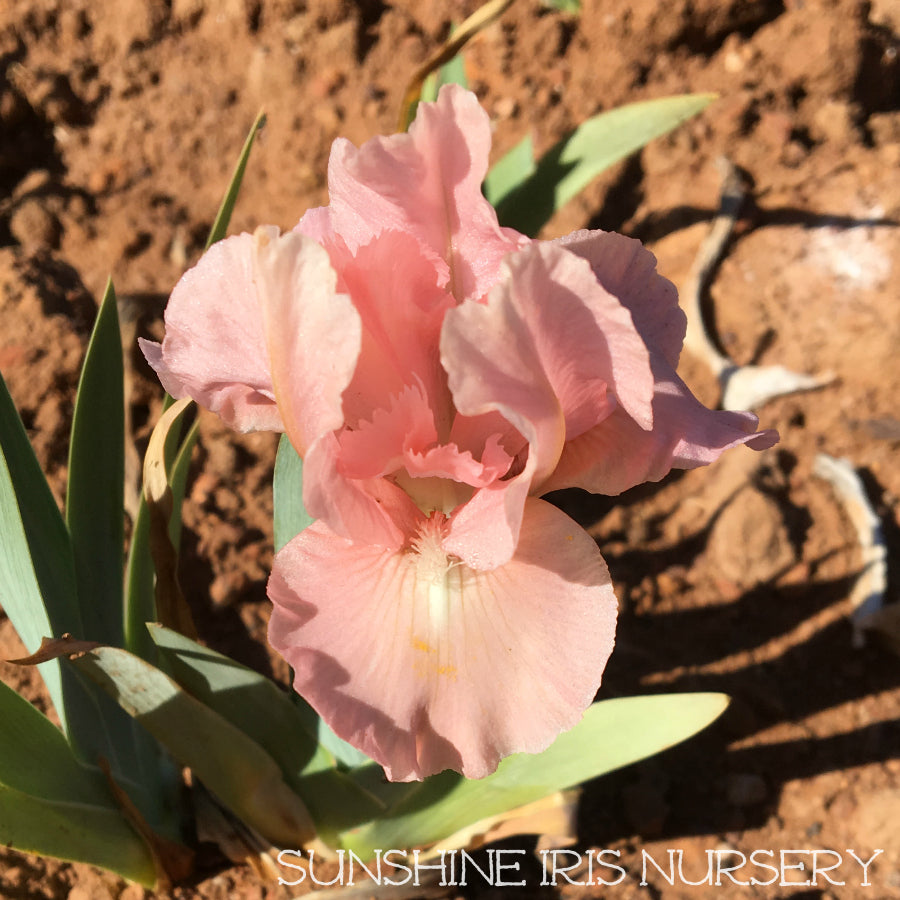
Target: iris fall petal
[{"x": 418, "y": 660}]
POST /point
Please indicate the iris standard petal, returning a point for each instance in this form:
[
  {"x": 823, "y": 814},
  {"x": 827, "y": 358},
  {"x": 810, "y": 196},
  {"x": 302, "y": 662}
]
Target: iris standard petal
[
  {"x": 312, "y": 333},
  {"x": 617, "y": 454},
  {"x": 628, "y": 271},
  {"x": 214, "y": 349},
  {"x": 426, "y": 183}
]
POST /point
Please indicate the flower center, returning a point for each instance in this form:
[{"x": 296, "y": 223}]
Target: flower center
[
  {"x": 434, "y": 494},
  {"x": 432, "y": 560},
  {"x": 437, "y": 573}
]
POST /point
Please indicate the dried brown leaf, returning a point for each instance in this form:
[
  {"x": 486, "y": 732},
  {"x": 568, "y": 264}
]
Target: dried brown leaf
[
  {"x": 171, "y": 607},
  {"x": 480, "y": 19},
  {"x": 173, "y": 861},
  {"x": 54, "y": 648}
]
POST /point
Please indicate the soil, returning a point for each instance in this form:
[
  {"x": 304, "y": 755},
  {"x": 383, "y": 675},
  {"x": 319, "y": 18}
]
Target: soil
[{"x": 119, "y": 126}]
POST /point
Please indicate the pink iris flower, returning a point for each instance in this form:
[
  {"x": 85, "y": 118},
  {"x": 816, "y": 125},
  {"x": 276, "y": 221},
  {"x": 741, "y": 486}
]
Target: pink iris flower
[{"x": 439, "y": 373}]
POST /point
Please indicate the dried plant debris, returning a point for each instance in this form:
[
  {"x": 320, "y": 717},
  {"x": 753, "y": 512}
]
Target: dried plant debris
[
  {"x": 867, "y": 596},
  {"x": 743, "y": 387}
]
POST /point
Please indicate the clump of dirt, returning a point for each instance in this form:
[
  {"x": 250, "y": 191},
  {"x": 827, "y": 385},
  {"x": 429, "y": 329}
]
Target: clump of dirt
[{"x": 119, "y": 126}]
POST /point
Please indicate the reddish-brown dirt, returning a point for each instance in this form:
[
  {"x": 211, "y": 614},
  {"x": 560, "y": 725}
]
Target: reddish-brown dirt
[{"x": 119, "y": 125}]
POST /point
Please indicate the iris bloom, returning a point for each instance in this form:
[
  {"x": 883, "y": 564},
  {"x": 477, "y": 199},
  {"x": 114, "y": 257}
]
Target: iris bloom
[{"x": 438, "y": 374}]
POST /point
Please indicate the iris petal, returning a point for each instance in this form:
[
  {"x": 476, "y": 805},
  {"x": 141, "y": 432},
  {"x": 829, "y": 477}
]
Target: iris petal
[{"x": 426, "y": 664}]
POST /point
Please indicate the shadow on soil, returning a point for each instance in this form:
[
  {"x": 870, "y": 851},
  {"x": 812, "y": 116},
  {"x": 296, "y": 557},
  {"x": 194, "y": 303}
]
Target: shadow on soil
[{"x": 782, "y": 653}]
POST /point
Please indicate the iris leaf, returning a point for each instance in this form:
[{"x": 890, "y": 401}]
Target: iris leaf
[
  {"x": 612, "y": 734},
  {"x": 40, "y": 584},
  {"x": 95, "y": 517},
  {"x": 95, "y": 494},
  {"x": 566, "y": 6},
  {"x": 52, "y": 804},
  {"x": 291, "y": 516},
  {"x": 260, "y": 709},
  {"x": 231, "y": 764},
  {"x": 223, "y": 217},
  {"x": 576, "y": 160},
  {"x": 510, "y": 171},
  {"x": 37, "y": 571}
]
